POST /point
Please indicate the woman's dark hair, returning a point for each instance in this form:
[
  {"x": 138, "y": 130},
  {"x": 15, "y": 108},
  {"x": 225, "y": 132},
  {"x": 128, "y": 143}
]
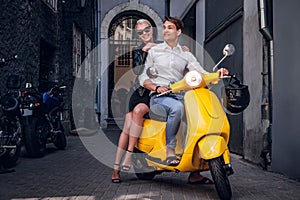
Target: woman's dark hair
[{"x": 175, "y": 20}]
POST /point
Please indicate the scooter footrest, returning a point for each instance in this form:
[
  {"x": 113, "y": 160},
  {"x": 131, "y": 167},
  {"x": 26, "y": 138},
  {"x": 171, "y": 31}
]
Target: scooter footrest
[{"x": 158, "y": 160}]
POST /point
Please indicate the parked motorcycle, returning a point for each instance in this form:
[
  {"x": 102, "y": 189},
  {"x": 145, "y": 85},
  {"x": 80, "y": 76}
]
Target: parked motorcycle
[
  {"x": 10, "y": 124},
  {"x": 202, "y": 145},
  {"x": 42, "y": 115}
]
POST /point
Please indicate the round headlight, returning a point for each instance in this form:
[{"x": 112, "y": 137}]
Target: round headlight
[{"x": 193, "y": 78}]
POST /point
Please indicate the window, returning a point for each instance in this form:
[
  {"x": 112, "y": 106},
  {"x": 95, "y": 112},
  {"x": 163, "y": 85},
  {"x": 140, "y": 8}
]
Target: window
[
  {"x": 122, "y": 36},
  {"x": 123, "y": 55},
  {"x": 81, "y": 3},
  {"x": 52, "y": 4},
  {"x": 76, "y": 51},
  {"x": 89, "y": 61}
]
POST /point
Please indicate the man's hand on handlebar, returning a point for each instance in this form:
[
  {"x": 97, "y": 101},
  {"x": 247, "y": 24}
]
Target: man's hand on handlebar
[
  {"x": 223, "y": 72},
  {"x": 162, "y": 89}
]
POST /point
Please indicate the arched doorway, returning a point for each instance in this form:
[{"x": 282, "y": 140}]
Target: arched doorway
[{"x": 122, "y": 38}]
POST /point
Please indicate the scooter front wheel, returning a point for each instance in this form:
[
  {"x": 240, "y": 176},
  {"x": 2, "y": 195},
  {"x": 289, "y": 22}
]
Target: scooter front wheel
[
  {"x": 220, "y": 178},
  {"x": 141, "y": 168}
]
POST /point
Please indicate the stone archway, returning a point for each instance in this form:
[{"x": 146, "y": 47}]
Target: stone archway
[{"x": 133, "y": 5}]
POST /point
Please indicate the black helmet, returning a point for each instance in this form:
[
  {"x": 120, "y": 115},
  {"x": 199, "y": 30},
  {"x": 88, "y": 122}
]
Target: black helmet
[{"x": 235, "y": 96}]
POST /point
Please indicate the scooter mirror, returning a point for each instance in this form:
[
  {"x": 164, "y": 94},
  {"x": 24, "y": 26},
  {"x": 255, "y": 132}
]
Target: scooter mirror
[
  {"x": 152, "y": 72},
  {"x": 228, "y": 50}
]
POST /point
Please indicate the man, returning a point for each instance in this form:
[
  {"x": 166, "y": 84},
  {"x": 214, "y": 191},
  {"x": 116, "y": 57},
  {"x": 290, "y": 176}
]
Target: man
[{"x": 171, "y": 62}]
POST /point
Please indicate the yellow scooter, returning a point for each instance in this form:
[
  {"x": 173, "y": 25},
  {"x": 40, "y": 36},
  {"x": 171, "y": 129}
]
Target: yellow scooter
[{"x": 201, "y": 145}]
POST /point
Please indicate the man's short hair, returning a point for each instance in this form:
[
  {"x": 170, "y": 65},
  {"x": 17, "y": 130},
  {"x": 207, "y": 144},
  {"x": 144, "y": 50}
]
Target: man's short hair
[{"x": 175, "y": 20}]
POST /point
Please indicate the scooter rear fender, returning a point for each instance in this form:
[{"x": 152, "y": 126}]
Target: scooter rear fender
[{"x": 153, "y": 137}]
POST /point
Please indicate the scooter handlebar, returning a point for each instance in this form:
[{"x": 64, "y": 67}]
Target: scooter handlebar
[
  {"x": 164, "y": 93},
  {"x": 211, "y": 78}
]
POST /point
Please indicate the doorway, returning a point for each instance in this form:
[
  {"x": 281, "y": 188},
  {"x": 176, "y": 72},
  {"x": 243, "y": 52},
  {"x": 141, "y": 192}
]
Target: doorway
[
  {"x": 46, "y": 68},
  {"x": 122, "y": 38}
]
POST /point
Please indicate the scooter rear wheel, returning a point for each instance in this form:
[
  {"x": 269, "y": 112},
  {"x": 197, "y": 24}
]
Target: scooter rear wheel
[
  {"x": 141, "y": 168},
  {"x": 220, "y": 178}
]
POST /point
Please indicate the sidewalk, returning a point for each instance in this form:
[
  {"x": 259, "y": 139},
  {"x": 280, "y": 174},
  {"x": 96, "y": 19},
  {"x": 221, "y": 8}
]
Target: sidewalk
[{"x": 75, "y": 174}]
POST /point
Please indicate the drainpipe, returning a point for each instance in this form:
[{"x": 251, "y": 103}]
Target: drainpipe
[
  {"x": 267, "y": 102},
  {"x": 98, "y": 56},
  {"x": 167, "y": 7},
  {"x": 266, "y": 16}
]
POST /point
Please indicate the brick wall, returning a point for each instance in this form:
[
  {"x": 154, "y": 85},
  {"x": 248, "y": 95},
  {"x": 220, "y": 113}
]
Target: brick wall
[{"x": 42, "y": 39}]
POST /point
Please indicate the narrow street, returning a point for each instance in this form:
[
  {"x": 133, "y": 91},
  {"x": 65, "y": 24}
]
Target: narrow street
[{"x": 75, "y": 174}]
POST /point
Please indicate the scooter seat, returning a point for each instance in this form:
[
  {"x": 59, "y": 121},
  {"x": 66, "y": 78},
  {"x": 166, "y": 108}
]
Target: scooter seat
[{"x": 157, "y": 113}]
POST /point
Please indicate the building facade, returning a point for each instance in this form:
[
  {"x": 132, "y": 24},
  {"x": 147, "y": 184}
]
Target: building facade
[
  {"x": 204, "y": 29},
  {"x": 51, "y": 39},
  {"x": 211, "y": 24},
  {"x": 86, "y": 44}
]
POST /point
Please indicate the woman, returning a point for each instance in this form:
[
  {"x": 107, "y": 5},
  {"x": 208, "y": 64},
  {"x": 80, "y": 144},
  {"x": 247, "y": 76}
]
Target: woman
[{"x": 138, "y": 103}]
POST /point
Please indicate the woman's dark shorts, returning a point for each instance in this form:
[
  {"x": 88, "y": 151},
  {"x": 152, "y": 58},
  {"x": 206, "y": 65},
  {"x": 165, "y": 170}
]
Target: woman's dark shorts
[{"x": 140, "y": 95}]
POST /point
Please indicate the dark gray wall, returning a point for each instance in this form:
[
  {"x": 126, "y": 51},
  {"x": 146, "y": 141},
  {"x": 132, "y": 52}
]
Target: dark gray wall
[
  {"x": 219, "y": 11},
  {"x": 224, "y": 24},
  {"x": 157, "y": 5},
  {"x": 108, "y": 5},
  {"x": 254, "y": 126},
  {"x": 286, "y": 129}
]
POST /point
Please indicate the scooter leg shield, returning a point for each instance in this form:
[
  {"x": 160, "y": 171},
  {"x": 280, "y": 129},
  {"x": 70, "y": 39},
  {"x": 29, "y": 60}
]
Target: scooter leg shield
[{"x": 212, "y": 146}]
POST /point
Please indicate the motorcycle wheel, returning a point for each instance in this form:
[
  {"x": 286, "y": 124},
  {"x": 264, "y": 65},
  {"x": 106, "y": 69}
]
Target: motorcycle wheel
[
  {"x": 220, "y": 178},
  {"x": 11, "y": 157},
  {"x": 141, "y": 168},
  {"x": 60, "y": 140},
  {"x": 35, "y": 139}
]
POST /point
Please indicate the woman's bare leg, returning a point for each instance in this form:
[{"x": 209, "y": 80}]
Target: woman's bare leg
[
  {"x": 122, "y": 145},
  {"x": 135, "y": 129}
]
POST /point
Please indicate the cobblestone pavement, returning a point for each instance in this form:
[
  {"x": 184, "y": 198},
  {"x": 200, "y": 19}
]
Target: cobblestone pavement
[{"x": 74, "y": 174}]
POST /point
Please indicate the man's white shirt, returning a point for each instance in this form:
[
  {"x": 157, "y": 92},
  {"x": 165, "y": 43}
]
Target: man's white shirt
[{"x": 170, "y": 63}]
